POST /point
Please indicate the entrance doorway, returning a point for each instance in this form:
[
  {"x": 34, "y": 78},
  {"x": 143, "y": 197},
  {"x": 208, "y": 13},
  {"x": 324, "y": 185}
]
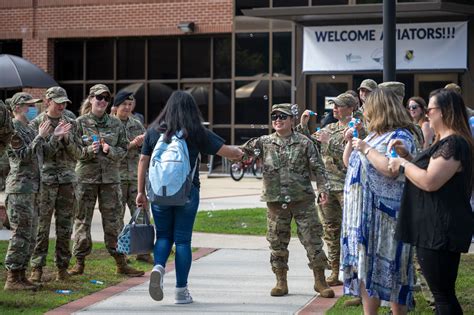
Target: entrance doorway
[{"x": 425, "y": 83}]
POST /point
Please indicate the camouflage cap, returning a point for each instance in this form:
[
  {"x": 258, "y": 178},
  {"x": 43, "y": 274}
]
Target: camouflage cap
[
  {"x": 99, "y": 89},
  {"x": 345, "y": 99},
  {"x": 397, "y": 87},
  {"x": 454, "y": 87},
  {"x": 22, "y": 98},
  {"x": 283, "y": 108},
  {"x": 368, "y": 84},
  {"x": 57, "y": 94}
]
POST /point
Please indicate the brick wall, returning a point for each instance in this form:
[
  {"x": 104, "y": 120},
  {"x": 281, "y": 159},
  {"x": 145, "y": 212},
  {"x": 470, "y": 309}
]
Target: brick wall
[{"x": 38, "y": 21}]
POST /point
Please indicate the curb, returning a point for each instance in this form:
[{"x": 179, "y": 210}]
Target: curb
[
  {"x": 101, "y": 295},
  {"x": 319, "y": 306}
]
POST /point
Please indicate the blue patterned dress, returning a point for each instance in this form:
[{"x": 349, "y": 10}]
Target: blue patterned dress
[{"x": 369, "y": 252}]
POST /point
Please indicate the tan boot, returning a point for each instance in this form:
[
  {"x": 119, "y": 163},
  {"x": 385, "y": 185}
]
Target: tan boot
[
  {"x": 36, "y": 274},
  {"x": 333, "y": 279},
  {"x": 281, "y": 287},
  {"x": 78, "y": 268},
  {"x": 14, "y": 282},
  {"x": 62, "y": 274},
  {"x": 320, "y": 284},
  {"x": 123, "y": 268},
  {"x": 353, "y": 302},
  {"x": 30, "y": 285},
  {"x": 146, "y": 258}
]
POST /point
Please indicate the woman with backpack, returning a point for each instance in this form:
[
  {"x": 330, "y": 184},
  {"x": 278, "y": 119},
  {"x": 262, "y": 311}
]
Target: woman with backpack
[{"x": 181, "y": 118}]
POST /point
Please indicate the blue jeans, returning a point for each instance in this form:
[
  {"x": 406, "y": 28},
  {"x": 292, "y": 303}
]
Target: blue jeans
[{"x": 174, "y": 225}]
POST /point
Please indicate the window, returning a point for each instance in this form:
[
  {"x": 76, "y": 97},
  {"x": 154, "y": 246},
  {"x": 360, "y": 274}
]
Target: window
[
  {"x": 222, "y": 57},
  {"x": 163, "y": 58},
  {"x": 195, "y": 58},
  {"x": 282, "y": 53},
  {"x": 243, "y": 135},
  {"x": 69, "y": 60},
  {"x": 222, "y": 100},
  {"x": 252, "y": 54},
  {"x": 75, "y": 92},
  {"x": 100, "y": 59},
  {"x": 293, "y": 3},
  {"x": 11, "y": 47},
  {"x": 331, "y": 2},
  {"x": 158, "y": 95},
  {"x": 250, "y": 4},
  {"x": 281, "y": 91},
  {"x": 130, "y": 59},
  {"x": 251, "y": 102}
]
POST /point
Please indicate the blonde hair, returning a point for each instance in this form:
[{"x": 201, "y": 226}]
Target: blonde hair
[
  {"x": 85, "y": 107},
  {"x": 385, "y": 113}
]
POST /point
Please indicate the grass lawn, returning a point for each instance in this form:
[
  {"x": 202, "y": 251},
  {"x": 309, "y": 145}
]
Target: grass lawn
[{"x": 99, "y": 266}]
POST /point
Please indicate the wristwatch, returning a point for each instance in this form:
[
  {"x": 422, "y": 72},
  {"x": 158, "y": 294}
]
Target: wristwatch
[{"x": 401, "y": 169}]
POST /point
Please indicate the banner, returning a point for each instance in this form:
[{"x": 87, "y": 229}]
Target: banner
[{"x": 419, "y": 46}]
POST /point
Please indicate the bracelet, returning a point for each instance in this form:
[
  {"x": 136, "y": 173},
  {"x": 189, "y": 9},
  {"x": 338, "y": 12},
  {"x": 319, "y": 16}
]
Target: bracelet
[
  {"x": 401, "y": 169},
  {"x": 367, "y": 151}
]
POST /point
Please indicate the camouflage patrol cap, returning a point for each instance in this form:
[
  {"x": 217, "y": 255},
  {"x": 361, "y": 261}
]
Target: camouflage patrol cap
[
  {"x": 454, "y": 87},
  {"x": 345, "y": 99},
  {"x": 57, "y": 94},
  {"x": 368, "y": 84},
  {"x": 397, "y": 87},
  {"x": 22, "y": 98},
  {"x": 283, "y": 108},
  {"x": 99, "y": 89}
]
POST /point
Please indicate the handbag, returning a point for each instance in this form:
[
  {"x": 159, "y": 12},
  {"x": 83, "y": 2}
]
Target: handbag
[{"x": 136, "y": 238}]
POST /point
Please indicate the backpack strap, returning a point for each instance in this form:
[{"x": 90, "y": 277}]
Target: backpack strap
[
  {"x": 134, "y": 217},
  {"x": 195, "y": 166}
]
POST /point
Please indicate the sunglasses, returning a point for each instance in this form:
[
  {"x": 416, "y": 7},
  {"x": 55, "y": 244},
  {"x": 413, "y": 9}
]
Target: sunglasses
[
  {"x": 279, "y": 116},
  {"x": 412, "y": 107},
  {"x": 102, "y": 97},
  {"x": 428, "y": 110}
]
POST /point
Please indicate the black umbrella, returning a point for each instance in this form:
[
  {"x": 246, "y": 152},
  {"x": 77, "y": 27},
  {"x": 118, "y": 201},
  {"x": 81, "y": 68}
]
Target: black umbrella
[{"x": 16, "y": 72}]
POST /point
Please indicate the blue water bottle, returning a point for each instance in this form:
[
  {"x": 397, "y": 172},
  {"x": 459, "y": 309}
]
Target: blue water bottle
[
  {"x": 355, "y": 133},
  {"x": 94, "y": 139},
  {"x": 471, "y": 124},
  {"x": 96, "y": 282},
  {"x": 393, "y": 153},
  {"x": 63, "y": 291},
  {"x": 311, "y": 113}
]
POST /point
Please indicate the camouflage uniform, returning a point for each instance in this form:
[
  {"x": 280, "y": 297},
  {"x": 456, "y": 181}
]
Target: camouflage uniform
[
  {"x": 129, "y": 168},
  {"x": 99, "y": 177},
  {"x": 287, "y": 189},
  {"x": 6, "y": 127},
  {"x": 22, "y": 187},
  {"x": 58, "y": 180}
]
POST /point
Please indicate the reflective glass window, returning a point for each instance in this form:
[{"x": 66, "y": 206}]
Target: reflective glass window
[
  {"x": 75, "y": 92},
  {"x": 250, "y": 4},
  {"x": 282, "y": 53},
  {"x": 195, "y": 58},
  {"x": 100, "y": 59},
  {"x": 69, "y": 60},
  {"x": 200, "y": 92},
  {"x": 292, "y": 3},
  {"x": 130, "y": 59},
  {"x": 251, "y": 102},
  {"x": 368, "y": 1},
  {"x": 163, "y": 58},
  {"x": 332, "y": 2},
  {"x": 243, "y": 135},
  {"x": 222, "y": 57},
  {"x": 281, "y": 91},
  {"x": 138, "y": 90},
  {"x": 222, "y": 107},
  {"x": 251, "y": 54},
  {"x": 11, "y": 47},
  {"x": 158, "y": 95}
]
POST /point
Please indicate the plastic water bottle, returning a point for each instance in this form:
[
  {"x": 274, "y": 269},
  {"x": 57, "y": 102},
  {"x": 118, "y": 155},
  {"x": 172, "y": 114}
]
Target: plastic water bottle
[
  {"x": 64, "y": 291},
  {"x": 311, "y": 113},
  {"x": 96, "y": 282},
  {"x": 393, "y": 153},
  {"x": 94, "y": 139},
  {"x": 318, "y": 129},
  {"x": 355, "y": 133},
  {"x": 471, "y": 124}
]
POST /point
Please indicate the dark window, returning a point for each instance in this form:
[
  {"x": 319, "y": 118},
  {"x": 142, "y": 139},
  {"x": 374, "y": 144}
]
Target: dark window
[
  {"x": 222, "y": 57},
  {"x": 293, "y": 3},
  {"x": 251, "y": 55},
  {"x": 324, "y": 90},
  {"x": 100, "y": 59},
  {"x": 158, "y": 95},
  {"x": 243, "y": 135},
  {"x": 130, "y": 59},
  {"x": 367, "y": 1},
  {"x": 250, "y": 4},
  {"x": 195, "y": 58},
  {"x": 222, "y": 96},
  {"x": 163, "y": 58},
  {"x": 331, "y": 2},
  {"x": 224, "y": 133},
  {"x": 11, "y": 47},
  {"x": 69, "y": 61},
  {"x": 138, "y": 90},
  {"x": 75, "y": 92},
  {"x": 281, "y": 91},
  {"x": 282, "y": 53},
  {"x": 200, "y": 93},
  {"x": 251, "y": 102},
  {"x": 469, "y": 2}
]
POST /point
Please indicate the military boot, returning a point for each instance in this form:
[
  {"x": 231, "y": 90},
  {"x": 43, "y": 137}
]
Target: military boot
[
  {"x": 36, "y": 274},
  {"x": 78, "y": 268},
  {"x": 146, "y": 258},
  {"x": 333, "y": 279},
  {"x": 281, "y": 287},
  {"x": 320, "y": 284},
  {"x": 353, "y": 302},
  {"x": 123, "y": 268},
  {"x": 14, "y": 282},
  {"x": 30, "y": 285},
  {"x": 62, "y": 274}
]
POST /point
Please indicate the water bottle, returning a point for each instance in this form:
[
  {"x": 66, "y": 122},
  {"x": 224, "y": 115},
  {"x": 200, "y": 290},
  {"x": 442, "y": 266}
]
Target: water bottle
[
  {"x": 94, "y": 139},
  {"x": 311, "y": 113},
  {"x": 355, "y": 133},
  {"x": 96, "y": 282},
  {"x": 393, "y": 153},
  {"x": 471, "y": 124},
  {"x": 318, "y": 129},
  {"x": 64, "y": 291}
]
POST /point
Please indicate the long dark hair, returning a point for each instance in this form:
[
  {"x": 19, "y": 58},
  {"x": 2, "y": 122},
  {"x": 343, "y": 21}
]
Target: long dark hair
[{"x": 180, "y": 113}]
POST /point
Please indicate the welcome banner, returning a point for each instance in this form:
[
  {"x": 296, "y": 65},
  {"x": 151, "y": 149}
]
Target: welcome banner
[{"x": 360, "y": 47}]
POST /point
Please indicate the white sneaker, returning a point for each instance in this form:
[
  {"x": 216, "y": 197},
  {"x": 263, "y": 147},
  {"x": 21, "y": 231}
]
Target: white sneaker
[
  {"x": 156, "y": 283},
  {"x": 182, "y": 296}
]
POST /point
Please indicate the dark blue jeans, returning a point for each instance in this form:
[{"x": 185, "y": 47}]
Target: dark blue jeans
[{"x": 174, "y": 225}]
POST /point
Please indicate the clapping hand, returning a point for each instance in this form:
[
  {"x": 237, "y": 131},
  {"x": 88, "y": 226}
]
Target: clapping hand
[
  {"x": 44, "y": 128},
  {"x": 62, "y": 129},
  {"x": 322, "y": 136}
]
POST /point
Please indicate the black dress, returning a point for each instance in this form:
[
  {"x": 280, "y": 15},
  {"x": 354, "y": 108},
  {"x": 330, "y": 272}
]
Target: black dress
[{"x": 443, "y": 219}]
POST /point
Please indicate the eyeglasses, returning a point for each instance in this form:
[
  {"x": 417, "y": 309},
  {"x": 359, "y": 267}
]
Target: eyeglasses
[
  {"x": 102, "y": 97},
  {"x": 413, "y": 107},
  {"x": 428, "y": 110},
  {"x": 279, "y": 116}
]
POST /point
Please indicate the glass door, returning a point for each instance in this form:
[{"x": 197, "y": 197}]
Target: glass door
[{"x": 425, "y": 83}]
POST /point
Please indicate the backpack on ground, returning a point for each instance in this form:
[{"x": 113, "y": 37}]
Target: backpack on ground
[{"x": 169, "y": 175}]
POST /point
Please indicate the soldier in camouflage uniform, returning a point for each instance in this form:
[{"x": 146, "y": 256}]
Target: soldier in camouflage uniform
[
  {"x": 22, "y": 188},
  {"x": 58, "y": 180},
  {"x": 331, "y": 140},
  {"x": 288, "y": 160},
  {"x": 123, "y": 103},
  {"x": 103, "y": 144}
]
